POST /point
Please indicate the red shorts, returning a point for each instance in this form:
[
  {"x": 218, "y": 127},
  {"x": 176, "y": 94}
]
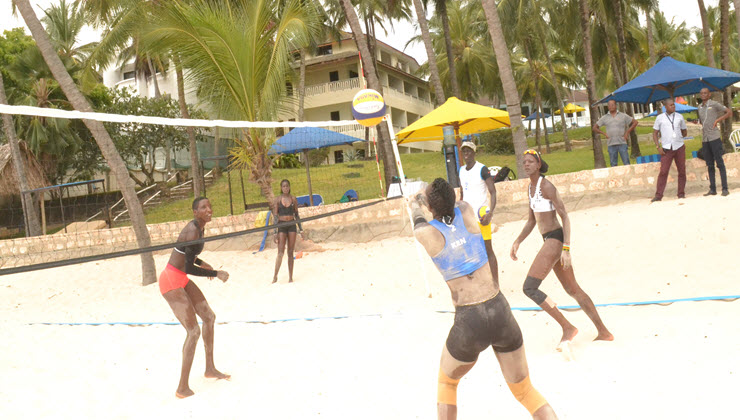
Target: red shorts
[{"x": 171, "y": 279}]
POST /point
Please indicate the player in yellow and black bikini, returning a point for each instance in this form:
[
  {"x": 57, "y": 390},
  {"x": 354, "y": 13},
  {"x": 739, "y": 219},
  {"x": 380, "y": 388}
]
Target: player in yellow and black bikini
[{"x": 545, "y": 205}]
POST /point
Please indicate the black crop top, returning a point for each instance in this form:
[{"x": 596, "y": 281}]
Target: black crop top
[
  {"x": 191, "y": 253},
  {"x": 283, "y": 210}
]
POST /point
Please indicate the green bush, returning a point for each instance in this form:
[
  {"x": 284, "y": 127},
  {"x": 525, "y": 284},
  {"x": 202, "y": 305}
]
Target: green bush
[
  {"x": 498, "y": 142},
  {"x": 286, "y": 161},
  {"x": 317, "y": 157}
]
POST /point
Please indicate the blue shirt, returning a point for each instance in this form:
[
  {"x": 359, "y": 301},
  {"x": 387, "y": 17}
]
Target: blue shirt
[{"x": 464, "y": 252}]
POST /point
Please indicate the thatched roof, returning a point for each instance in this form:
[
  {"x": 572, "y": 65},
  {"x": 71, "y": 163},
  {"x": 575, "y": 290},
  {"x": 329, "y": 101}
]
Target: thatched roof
[{"x": 9, "y": 184}]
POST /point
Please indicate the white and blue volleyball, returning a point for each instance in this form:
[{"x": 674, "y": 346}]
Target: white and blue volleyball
[{"x": 368, "y": 107}]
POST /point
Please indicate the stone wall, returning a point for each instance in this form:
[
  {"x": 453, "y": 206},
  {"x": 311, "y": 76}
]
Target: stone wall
[{"x": 384, "y": 220}]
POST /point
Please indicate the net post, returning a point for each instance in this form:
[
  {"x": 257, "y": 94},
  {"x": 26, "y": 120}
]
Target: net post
[{"x": 397, "y": 155}]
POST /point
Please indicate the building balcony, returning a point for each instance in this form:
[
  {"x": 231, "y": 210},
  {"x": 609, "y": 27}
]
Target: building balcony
[{"x": 340, "y": 85}]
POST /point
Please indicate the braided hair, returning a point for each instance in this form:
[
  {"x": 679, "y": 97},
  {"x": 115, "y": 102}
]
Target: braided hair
[{"x": 442, "y": 200}]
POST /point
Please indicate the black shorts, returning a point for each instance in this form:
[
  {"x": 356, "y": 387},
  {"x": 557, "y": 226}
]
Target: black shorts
[
  {"x": 554, "y": 234},
  {"x": 478, "y": 326},
  {"x": 286, "y": 229}
]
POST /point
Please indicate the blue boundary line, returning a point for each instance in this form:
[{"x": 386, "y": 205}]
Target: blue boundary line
[{"x": 318, "y": 318}]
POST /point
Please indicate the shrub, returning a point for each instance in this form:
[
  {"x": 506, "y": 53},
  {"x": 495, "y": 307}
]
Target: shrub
[
  {"x": 318, "y": 156},
  {"x": 286, "y": 161},
  {"x": 498, "y": 142}
]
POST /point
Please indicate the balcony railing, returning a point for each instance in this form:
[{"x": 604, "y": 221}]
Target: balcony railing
[{"x": 333, "y": 87}]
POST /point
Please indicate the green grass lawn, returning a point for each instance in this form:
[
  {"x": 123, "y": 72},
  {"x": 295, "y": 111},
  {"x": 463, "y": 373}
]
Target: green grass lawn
[{"x": 331, "y": 181}]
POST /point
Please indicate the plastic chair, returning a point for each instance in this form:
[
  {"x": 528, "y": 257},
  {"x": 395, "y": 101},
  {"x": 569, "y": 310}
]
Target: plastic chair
[
  {"x": 304, "y": 201},
  {"x": 735, "y": 140}
]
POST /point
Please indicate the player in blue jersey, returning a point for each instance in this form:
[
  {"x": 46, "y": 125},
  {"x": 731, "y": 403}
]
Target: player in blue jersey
[{"x": 483, "y": 317}]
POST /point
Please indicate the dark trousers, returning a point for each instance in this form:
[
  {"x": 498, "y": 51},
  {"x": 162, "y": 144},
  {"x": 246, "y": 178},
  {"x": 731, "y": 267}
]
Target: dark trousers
[
  {"x": 669, "y": 156},
  {"x": 712, "y": 151}
]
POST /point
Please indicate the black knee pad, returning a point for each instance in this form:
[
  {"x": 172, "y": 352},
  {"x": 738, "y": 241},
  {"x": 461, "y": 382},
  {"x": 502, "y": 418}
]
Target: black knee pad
[{"x": 531, "y": 289}]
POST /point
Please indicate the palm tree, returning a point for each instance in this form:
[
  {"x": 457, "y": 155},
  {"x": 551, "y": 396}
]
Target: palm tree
[
  {"x": 617, "y": 5},
  {"x": 439, "y": 93},
  {"x": 599, "y": 161},
  {"x": 78, "y": 101},
  {"x": 29, "y": 209},
  {"x": 737, "y": 14},
  {"x": 371, "y": 74},
  {"x": 440, "y": 7},
  {"x": 239, "y": 53},
  {"x": 724, "y": 6},
  {"x": 649, "y": 23},
  {"x": 707, "y": 35},
  {"x": 503, "y": 60}
]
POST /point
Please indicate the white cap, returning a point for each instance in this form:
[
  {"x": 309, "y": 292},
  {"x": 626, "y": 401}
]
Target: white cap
[{"x": 469, "y": 144}]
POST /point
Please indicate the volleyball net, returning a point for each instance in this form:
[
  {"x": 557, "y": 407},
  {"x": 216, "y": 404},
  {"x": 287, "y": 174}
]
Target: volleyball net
[{"x": 326, "y": 162}]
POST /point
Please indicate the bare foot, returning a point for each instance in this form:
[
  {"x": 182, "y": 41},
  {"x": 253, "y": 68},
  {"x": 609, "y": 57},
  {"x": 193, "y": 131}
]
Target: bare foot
[
  {"x": 568, "y": 336},
  {"x": 290, "y": 281},
  {"x": 604, "y": 336},
  {"x": 217, "y": 375},
  {"x": 184, "y": 393},
  {"x": 274, "y": 280}
]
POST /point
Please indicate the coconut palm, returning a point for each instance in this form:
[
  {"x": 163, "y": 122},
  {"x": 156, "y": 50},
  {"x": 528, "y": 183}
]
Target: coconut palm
[
  {"x": 585, "y": 18},
  {"x": 513, "y": 105},
  {"x": 439, "y": 93},
  {"x": 440, "y": 7},
  {"x": 724, "y": 6},
  {"x": 707, "y": 38},
  {"x": 33, "y": 227},
  {"x": 118, "y": 166},
  {"x": 239, "y": 53}
]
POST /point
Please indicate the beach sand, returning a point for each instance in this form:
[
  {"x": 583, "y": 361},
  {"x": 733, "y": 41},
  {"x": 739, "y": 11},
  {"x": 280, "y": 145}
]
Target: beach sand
[{"x": 380, "y": 361}]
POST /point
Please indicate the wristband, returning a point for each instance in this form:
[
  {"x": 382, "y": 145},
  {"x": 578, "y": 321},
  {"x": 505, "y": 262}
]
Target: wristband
[{"x": 566, "y": 247}]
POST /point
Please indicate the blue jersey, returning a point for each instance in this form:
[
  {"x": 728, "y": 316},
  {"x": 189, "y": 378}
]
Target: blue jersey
[{"x": 464, "y": 252}]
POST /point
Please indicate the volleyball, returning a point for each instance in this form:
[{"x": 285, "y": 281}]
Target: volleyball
[
  {"x": 482, "y": 211},
  {"x": 368, "y": 107}
]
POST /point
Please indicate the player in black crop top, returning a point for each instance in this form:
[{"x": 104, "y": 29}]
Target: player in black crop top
[
  {"x": 186, "y": 299},
  {"x": 286, "y": 209}
]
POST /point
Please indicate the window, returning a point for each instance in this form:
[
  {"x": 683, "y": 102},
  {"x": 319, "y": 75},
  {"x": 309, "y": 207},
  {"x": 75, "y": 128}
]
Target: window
[
  {"x": 360, "y": 153},
  {"x": 335, "y": 115},
  {"x": 129, "y": 75},
  {"x": 525, "y": 110},
  {"x": 333, "y": 76},
  {"x": 324, "y": 50},
  {"x": 353, "y": 74},
  {"x": 338, "y": 156},
  {"x": 288, "y": 89}
]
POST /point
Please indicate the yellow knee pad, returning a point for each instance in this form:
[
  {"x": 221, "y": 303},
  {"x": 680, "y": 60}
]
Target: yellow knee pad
[
  {"x": 447, "y": 389},
  {"x": 525, "y": 393}
]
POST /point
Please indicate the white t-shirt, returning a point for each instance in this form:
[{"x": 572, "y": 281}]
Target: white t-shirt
[
  {"x": 473, "y": 182},
  {"x": 670, "y": 130}
]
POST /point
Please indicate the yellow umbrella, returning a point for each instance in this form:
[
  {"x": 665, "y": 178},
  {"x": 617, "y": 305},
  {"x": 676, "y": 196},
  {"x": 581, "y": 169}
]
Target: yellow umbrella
[
  {"x": 467, "y": 119},
  {"x": 570, "y": 108}
]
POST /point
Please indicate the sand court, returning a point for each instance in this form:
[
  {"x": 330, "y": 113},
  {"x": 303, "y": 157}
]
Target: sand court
[{"x": 380, "y": 360}]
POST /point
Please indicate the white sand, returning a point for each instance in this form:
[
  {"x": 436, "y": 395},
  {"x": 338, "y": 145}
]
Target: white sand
[{"x": 677, "y": 361}]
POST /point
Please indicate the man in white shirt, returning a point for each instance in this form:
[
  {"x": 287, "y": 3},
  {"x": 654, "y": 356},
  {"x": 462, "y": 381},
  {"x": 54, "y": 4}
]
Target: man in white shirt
[
  {"x": 476, "y": 186},
  {"x": 668, "y": 133}
]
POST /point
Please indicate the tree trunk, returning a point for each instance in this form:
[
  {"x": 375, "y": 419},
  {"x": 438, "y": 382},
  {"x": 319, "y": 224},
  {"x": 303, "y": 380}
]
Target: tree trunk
[
  {"x": 302, "y": 85},
  {"x": 737, "y": 14},
  {"x": 617, "y": 4},
  {"x": 441, "y": 9},
  {"x": 706, "y": 34},
  {"x": 439, "y": 93},
  {"x": 651, "y": 42},
  {"x": 536, "y": 77},
  {"x": 194, "y": 160},
  {"x": 167, "y": 141},
  {"x": 157, "y": 93},
  {"x": 599, "y": 161},
  {"x": 385, "y": 151},
  {"x": 507, "y": 81},
  {"x": 111, "y": 155},
  {"x": 30, "y": 216},
  {"x": 556, "y": 86},
  {"x": 724, "y": 7}
]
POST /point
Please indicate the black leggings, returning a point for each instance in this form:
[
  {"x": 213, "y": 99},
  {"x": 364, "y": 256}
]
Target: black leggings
[{"x": 490, "y": 323}]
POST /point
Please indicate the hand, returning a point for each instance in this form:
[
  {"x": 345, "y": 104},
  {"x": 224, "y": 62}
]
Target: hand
[
  {"x": 303, "y": 237},
  {"x": 223, "y": 276},
  {"x": 660, "y": 150},
  {"x": 274, "y": 238},
  {"x": 565, "y": 259},
  {"x": 627, "y": 137},
  {"x": 514, "y": 249},
  {"x": 486, "y": 219},
  {"x": 715, "y": 124}
]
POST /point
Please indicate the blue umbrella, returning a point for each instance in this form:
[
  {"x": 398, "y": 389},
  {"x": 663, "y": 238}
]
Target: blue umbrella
[
  {"x": 670, "y": 78},
  {"x": 302, "y": 139},
  {"x": 680, "y": 108},
  {"x": 536, "y": 115}
]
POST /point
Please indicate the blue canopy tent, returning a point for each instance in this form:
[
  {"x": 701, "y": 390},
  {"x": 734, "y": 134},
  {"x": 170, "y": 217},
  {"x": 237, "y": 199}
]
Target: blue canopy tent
[
  {"x": 303, "y": 139},
  {"x": 680, "y": 108},
  {"x": 670, "y": 78},
  {"x": 537, "y": 114}
]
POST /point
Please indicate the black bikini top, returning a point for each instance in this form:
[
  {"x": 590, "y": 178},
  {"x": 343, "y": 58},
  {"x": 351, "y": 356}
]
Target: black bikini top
[{"x": 283, "y": 210}]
